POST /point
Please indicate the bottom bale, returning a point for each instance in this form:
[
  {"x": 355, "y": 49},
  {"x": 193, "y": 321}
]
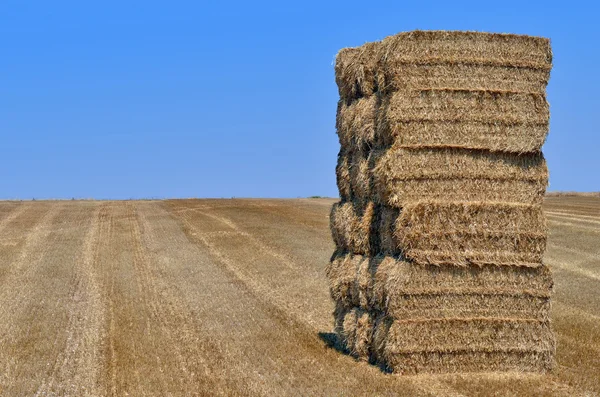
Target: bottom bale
[
  {"x": 471, "y": 361},
  {"x": 355, "y": 327},
  {"x": 414, "y": 318},
  {"x": 463, "y": 345},
  {"x": 472, "y": 334}
]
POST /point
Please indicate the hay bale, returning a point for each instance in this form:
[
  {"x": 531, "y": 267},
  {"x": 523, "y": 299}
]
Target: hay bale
[
  {"x": 491, "y": 78},
  {"x": 403, "y": 176},
  {"x": 352, "y": 227},
  {"x": 386, "y": 228},
  {"x": 367, "y": 229},
  {"x": 355, "y": 123},
  {"x": 399, "y": 176},
  {"x": 342, "y": 173},
  {"x": 451, "y": 105},
  {"x": 467, "y": 345},
  {"x": 466, "y": 304},
  {"x": 469, "y": 361},
  {"x": 341, "y": 273},
  {"x": 360, "y": 177},
  {"x": 462, "y": 233},
  {"x": 498, "y": 137},
  {"x": 466, "y": 48},
  {"x": 354, "y": 326},
  {"x": 497, "y": 121},
  {"x": 393, "y": 276},
  {"x": 440, "y": 234},
  {"x": 468, "y": 334},
  {"x": 356, "y": 71},
  {"x": 353, "y": 176},
  {"x": 457, "y": 233},
  {"x": 394, "y": 311},
  {"x": 402, "y": 289},
  {"x": 363, "y": 71}
]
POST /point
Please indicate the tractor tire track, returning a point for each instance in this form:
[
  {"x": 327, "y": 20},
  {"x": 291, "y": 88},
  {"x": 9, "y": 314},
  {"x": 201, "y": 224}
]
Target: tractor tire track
[
  {"x": 44, "y": 281},
  {"x": 77, "y": 368},
  {"x": 12, "y": 215}
]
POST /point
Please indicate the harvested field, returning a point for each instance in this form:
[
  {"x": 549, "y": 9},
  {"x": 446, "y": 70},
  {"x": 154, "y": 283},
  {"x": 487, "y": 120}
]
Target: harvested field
[{"x": 229, "y": 297}]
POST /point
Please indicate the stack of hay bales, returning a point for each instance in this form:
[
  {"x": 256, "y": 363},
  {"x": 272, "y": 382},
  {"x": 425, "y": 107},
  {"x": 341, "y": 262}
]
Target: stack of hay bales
[{"x": 439, "y": 232}]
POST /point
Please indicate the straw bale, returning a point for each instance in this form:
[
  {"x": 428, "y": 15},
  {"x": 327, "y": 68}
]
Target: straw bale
[
  {"x": 402, "y": 176},
  {"x": 459, "y": 345},
  {"x": 363, "y": 228},
  {"x": 457, "y": 233},
  {"x": 452, "y": 105},
  {"x": 435, "y": 59},
  {"x": 341, "y": 273},
  {"x": 399, "y": 176},
  {"x": 354, "y": 176},
  {"x": 463, "y": 233},
  {"x": 470, "y": 48},
  {"x": 355, "y": 328},
  {"x": 342, "y": 172},
  {"x": 453, "y": 217},
  {"x": 407, "y": 290},
  {"x": 356, "y": 71},
  {"x": 466, "y": 361},
  {"x": 402, "y": 192},
  {"x": 392, "y": 275},
  {"x": 352, "y": 227},
  {"x": 355, "y": 123},
  {"x": 367, "y": 123},
  {"x": 417, "y": 77},
  {"x": 457, "y": 163},
  {"x": 414, "y": 318},
  {"x": 465, "y": 304},
  {"x": 516, "y": 137},
  {"x": 468, "y": 334},
  {"x": 382, "y": 325},
  {"x": 360, "y": 177},
  {"x": 386, "y": 227}
]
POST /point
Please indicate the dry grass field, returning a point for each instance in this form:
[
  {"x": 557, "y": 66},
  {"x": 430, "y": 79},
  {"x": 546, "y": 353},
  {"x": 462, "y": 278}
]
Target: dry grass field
[{"x": 229, "y": 297}]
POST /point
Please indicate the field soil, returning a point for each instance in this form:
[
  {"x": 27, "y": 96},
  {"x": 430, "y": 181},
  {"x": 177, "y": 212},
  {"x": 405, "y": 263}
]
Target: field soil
[{"x": 229, "y": 297}]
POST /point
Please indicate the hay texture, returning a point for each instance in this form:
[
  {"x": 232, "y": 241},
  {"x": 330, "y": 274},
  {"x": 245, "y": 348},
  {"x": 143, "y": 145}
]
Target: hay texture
[
  {"x": 366, "y": 229},
  {"x": 461, "y": 89},
  {"x": 403, "y": 289},
  {"x": 457, "y": 233},
  {"x": 391, "y": 311},
  {"x": 462, "y": 233},
  {"x": 439, "y": 235},
  {"x": 399, "y": 176}
]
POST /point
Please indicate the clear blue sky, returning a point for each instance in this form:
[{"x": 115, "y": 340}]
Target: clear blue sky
[{"x": 132, "y": 99}]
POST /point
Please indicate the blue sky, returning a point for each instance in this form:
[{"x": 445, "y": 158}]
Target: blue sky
[{"x": 134, "y": 99}]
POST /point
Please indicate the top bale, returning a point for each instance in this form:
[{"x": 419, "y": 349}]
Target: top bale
[
  {"x": 478, "y": 48},
  {"x": 379, "y": 66},
  {"x": 355, "y": 70}
]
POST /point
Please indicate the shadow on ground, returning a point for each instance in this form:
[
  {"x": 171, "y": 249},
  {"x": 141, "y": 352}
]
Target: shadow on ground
[{"x": 333, "y": 341}]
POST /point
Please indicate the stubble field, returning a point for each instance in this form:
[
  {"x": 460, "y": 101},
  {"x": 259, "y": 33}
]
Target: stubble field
[{"x": 229, "y": 297}]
